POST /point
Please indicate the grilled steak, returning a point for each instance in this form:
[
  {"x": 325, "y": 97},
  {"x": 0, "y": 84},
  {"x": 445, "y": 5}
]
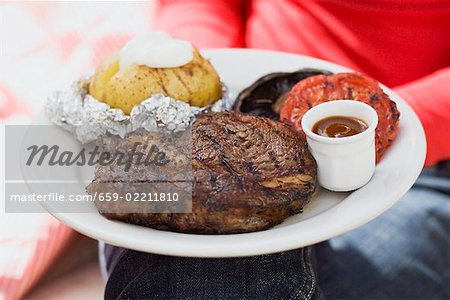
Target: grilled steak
[{"x": 249, "y": 174}]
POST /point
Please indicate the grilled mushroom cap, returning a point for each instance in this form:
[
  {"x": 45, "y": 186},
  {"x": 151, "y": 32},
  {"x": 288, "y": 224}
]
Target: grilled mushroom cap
[{"x": 266, "y": 95}]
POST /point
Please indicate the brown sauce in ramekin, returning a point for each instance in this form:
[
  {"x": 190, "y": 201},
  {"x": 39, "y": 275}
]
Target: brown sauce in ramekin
[{"x": 339, "y": 126}]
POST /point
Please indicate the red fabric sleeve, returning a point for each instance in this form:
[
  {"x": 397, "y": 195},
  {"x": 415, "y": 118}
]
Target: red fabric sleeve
[
  {"x": 430, "y": 99},
  {"x": 207, "y": 23}
]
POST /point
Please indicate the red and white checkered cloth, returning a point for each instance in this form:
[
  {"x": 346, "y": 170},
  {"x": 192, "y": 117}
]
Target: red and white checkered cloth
[{"x": 45, "y": 47}]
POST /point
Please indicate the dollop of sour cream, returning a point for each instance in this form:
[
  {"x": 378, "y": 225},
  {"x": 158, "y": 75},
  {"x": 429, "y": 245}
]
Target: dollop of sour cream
[{"x": 157, "y": 50}]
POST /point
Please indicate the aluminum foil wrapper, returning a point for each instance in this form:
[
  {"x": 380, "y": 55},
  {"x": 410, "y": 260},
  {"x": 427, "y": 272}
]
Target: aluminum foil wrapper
[{"x": 87, "y": 118}]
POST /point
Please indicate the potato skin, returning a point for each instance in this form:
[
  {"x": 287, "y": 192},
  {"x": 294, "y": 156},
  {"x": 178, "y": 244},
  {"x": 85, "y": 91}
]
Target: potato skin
[{"x": 196, "y": 83}]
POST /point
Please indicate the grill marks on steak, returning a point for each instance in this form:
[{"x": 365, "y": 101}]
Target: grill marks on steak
[
  {"x": 252, "y": 149},
  {"x": 249, "y": 174},
  {"x": 249, "y": 146}
]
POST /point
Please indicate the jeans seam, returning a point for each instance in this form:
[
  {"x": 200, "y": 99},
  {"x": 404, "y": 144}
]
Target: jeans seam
[
  {"x": 121, "y": 255},
  {"x": 132, "y": 281},
  {"x": 306, "y": 269}
]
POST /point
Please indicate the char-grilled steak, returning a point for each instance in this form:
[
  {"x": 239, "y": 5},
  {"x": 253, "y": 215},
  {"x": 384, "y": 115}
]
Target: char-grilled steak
[{"x": 249, "y": 174}]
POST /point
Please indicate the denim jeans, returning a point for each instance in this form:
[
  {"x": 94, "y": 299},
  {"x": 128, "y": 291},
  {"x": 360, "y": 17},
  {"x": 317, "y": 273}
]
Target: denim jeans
[{"x": 403, "y": 254}]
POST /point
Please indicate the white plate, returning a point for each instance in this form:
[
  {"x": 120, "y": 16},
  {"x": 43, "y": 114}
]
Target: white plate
[{"x": 328, "y": 215}]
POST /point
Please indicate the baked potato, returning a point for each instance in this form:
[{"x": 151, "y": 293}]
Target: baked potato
[{"x": 196, "y": 83}]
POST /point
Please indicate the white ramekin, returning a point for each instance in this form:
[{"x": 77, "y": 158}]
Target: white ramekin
[{"x": 348, "y": 163}]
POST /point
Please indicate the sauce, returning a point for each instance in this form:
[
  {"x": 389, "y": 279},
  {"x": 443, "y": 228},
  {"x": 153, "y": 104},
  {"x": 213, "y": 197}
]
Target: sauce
[
  {"x": 156, "y": 50},
  {"x": 339, "y": 126}
]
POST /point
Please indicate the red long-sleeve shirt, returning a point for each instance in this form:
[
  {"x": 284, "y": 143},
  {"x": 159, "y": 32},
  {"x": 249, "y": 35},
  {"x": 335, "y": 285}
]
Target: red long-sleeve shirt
[{"x": 403, "y": 43}]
